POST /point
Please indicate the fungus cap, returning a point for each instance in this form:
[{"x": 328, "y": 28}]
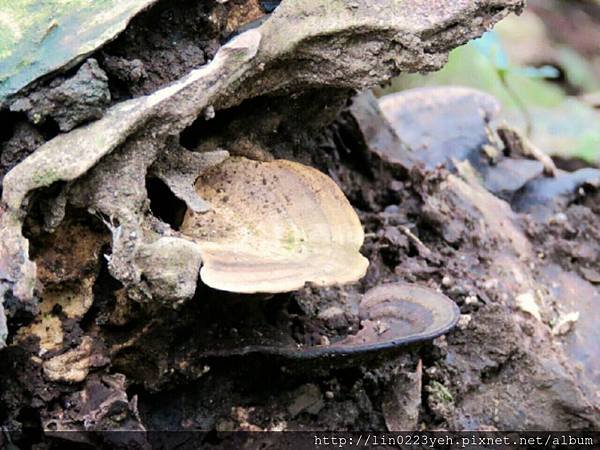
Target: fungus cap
[
  {"x": 273, "y": 227},
  {"x": 391, "y": 316},
  {"x": 401, "y": 313}
]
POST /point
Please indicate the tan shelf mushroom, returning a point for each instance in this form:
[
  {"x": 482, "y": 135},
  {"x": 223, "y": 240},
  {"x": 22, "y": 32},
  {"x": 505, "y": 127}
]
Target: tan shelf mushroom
[{"x": 274, "y": 226}]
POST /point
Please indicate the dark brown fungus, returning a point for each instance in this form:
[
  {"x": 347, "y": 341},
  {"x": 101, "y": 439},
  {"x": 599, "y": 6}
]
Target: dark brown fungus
[{"x": 391, "y": 316}]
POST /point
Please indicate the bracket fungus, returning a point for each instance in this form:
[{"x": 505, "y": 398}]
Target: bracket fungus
[
  {"x": 391, "y": 316},
  {"x": 273, "y": 227},
  {"x": 400, "y": 314},
  {"x": 383, "y": 320}
]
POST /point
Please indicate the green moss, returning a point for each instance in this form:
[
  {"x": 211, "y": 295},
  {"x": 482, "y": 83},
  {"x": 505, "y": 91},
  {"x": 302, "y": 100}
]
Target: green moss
[
  {"x": 45, "y": 176},
  {"x": 440, "y": 392}
]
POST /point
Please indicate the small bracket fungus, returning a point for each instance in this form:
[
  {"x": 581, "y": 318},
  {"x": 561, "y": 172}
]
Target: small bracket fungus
[
  {"x": 274, "y": 226},
  {"x": 399, "y": 314},
  {"x": 391, "y": 316}
]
